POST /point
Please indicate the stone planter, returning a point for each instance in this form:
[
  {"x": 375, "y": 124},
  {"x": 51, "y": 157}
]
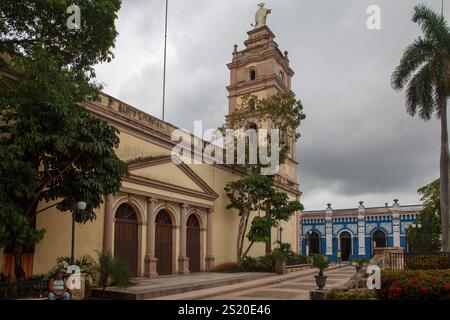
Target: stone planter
[
  {"x": 321, "y": 281},
  {"x": 280, "y": 268}
]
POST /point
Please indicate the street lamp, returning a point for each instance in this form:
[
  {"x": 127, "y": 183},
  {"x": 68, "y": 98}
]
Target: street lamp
[
  {"x": 281, "y": 235},
  {"x": 79, "y": 206},
  {"x": 308, "y": 242}
]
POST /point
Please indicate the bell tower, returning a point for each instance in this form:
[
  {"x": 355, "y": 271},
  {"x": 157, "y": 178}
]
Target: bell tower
[{"x": 262, "y": 70}]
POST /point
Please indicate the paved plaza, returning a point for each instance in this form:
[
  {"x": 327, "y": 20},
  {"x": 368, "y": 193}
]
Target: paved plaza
[
  {"x": 291, "y": 286},
  {"x": 293, "y": 289}
]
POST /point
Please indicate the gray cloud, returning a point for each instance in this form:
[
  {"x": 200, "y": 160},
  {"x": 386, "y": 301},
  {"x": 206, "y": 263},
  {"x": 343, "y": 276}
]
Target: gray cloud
[{"x": 357, "y": 143}]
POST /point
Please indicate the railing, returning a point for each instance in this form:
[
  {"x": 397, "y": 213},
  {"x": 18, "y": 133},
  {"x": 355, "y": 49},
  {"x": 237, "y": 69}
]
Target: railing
[
  {"x": 23, "y": 289},
  {"x": 418, "y": 261}
]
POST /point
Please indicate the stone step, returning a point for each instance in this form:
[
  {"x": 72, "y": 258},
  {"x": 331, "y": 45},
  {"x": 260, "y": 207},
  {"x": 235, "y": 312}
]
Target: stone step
[{"x": 143, "y": 294}]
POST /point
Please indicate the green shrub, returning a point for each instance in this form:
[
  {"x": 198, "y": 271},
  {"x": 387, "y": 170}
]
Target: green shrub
[
  {"x": 352, "y": 295},
  {"x": 426, "y": 262},
  {"x": 260, "y": 264},
  {"x": 278, "y": 256},
  {"x": 39, "y": 277},
  {"x": 320, "y": 262},
  {"x": 4, "y": 278},
  {"x": 295, "y": 259},
  {"x": 86, "y": 265},
  {"x": 361, "y": 262},
  {"x": 415, "y": 285},
  {"x": 284, "y": 247},
  {"x": 112, "y": 269},
  {"x": 292, "y": 258}
]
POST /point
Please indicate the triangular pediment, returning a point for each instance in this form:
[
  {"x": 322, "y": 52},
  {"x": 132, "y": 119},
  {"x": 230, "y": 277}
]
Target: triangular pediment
[{"x": 164, "y": 173}]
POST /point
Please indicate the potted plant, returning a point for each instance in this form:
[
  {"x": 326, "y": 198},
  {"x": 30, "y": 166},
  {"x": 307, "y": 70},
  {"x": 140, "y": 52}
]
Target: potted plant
[
  {"x": 279, "y": 262},
  {"x": 320, "y": 262},
  {"x": 360, "y": 264}
]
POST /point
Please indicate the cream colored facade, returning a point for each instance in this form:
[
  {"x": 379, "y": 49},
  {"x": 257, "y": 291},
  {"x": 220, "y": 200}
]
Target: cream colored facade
[{"x": 156, "y": 183}]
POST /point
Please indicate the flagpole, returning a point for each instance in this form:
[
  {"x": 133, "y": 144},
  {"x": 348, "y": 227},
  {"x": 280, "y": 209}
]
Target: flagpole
[{"x": 165, "y": 62}]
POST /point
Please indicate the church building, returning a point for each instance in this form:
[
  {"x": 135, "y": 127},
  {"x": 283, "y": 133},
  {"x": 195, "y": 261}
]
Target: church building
[{"x": 169, "y": 218}]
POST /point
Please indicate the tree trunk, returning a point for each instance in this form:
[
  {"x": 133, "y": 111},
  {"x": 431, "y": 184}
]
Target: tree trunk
[
  {"x": 241, "y": 235},
  {"x": 444, "y": 169},
  {"x": 269, "y": 242},
  {"x": 241, "y": 259},
  {"x": 18, "y": 270}
]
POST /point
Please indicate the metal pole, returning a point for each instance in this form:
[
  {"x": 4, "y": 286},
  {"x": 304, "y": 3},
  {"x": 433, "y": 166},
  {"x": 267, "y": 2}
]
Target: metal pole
[
  {"x": 165, "y": 62},
  {"x": 72, "y": 256}
]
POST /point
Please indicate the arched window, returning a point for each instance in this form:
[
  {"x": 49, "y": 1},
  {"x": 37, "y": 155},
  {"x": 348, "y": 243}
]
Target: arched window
[
  {"x": 252, "y": 126},
  {"x": 126, "y": 212},
  {"x": 379, "y": 239},
  {"x": 252, "y": 103},
  {"x": 281, "y": 76},
  {"x": 193, "y": 221},
  {"x": 163, "y": 217},
  {"x": 252, "y": 74}
]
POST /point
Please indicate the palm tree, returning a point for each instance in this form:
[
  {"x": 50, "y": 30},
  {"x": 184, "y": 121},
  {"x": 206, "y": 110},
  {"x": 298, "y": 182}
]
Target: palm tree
[{"x": 425, "y": 70}]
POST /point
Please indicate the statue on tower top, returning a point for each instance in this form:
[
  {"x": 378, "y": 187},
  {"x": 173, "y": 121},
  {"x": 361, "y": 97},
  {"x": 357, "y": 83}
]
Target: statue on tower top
[{"x": 261, "y": 15}]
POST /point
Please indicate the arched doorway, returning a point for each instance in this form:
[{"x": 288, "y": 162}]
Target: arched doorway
[
  {"x": 379, "y": 239},
  {"x": 345, "y": 245},
  {"x": 126, "y": 237},
  {"x": 163, "y": 243},
  {"x": 193, "y": 243},
  {"x": 314, "y": 243}
]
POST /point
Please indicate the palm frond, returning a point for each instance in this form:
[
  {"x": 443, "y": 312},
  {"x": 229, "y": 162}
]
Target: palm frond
[
  {"x": 414, "y": 56},
  {"x": 433, "y": 25},
  {"x": 411, "y": 98},
  {"x": 419, "y": 96}
]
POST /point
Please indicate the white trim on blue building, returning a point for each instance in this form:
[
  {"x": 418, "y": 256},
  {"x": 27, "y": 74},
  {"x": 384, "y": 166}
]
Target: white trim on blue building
[{"x": 355, "y": 232}]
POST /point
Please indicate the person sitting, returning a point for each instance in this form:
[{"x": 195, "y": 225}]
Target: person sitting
[{"x": 58, "y": 288}]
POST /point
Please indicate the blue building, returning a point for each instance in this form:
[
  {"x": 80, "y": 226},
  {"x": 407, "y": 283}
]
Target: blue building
[{"x": 355, "y": 232}]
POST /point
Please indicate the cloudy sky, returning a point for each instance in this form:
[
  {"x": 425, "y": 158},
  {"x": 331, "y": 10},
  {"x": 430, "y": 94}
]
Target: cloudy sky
[{"x": 357, "y": 143}]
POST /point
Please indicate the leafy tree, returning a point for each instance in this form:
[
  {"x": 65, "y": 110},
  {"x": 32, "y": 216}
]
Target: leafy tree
[
  {"x": 255, "y": 192},
  {"x": 51, "y": 149},
  {"x": 427, "y": 238},
  {"x": 281, "y": 112},
  {"x": 425, "y": 70}
]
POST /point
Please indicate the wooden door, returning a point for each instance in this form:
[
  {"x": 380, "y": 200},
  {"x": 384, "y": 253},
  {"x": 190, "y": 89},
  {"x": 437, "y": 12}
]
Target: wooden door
[
  {"x": 126, "y": 237},
  {"x": 163, "y": 243},
  {"x": 193, "y": 243}
]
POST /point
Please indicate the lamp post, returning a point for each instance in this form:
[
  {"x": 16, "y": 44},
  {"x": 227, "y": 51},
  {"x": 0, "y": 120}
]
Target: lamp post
[
  {"x": 308, "y": 242},
  {"x": 281, "y": 235},
  {"x": 79, "y": 206}
]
